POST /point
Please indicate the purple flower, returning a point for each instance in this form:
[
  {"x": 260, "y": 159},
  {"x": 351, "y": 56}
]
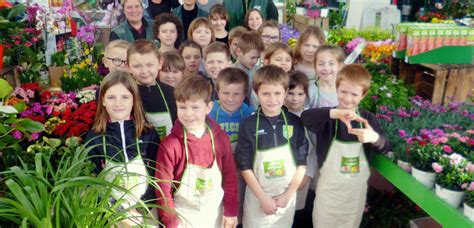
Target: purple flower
[
  {"x": 383, "y": 108},
  {"x": 437, "y": 167},
  {"x": 415, "y": 114},
  {"x": 374, "y": 97},
  {"x": 402, "y": 133},
  {"x": 17, "y": 134}
]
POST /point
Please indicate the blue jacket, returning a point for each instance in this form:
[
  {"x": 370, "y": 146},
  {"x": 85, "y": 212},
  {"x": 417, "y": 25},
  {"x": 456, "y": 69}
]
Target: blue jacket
[{"x": 230, "y": 123}]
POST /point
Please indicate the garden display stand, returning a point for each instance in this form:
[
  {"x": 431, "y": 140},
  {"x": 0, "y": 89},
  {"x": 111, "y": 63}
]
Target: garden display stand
[{"x": 425, "y": 198}]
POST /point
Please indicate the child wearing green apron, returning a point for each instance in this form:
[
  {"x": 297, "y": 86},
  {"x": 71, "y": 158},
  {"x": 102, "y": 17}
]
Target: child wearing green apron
[
  {"x": 157, "y": 97},
  {"x": 122, "y": 143},
  {"x": 343, "y": 134},
  {"x": 196, "y": 165},
  {"x": 271, "y": 154}
]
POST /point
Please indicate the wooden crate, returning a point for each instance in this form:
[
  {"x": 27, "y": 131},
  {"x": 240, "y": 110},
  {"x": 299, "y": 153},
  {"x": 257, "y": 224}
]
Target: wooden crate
[
  {"x": 440, "y": 83},
  {"x": 301, "y": 22}
]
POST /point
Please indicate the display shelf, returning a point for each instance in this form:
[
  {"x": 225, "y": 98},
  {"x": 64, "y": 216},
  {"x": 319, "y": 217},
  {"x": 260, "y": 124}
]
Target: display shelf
[
  {"x": 399, "y": 54},
  {"x": 425, "y": 198},
  {"x": 444, "y": 55}
]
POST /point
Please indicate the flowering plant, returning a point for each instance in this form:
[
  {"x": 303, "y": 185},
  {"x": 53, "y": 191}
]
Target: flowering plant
[
  {"x": 380, "y": 51},
  {"x": 342, "y": 36},
  {"x": 433, "y": 17},
  {"x": 469, "y": 189},
  {"x": 81, "y": 75},
  {"x": 453, "y": 171},
  {"x": 422, "y": 153}
]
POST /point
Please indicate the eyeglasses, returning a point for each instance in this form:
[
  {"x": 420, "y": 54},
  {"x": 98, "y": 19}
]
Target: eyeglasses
[
  {"x": 116, "y": 61},
  {"x": 270, "y": 38}
]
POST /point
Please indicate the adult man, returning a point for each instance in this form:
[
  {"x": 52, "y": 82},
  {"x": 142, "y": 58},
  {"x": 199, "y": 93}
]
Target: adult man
[{"x": 135, "y": 26}]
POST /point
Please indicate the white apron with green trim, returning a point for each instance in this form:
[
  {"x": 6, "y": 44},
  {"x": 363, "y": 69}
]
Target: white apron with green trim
[
  {"x": 199, "y": 197},
  {"x": 132, "y": 175},
  {"x": 161, "y": 120},
  {"x": 274, "y": 169},
  {"x": 342, "y": 186}
]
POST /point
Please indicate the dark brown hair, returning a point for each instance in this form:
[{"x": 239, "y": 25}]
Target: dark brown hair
[
  {"x": 189, "y": 43},
  {"x": 193, "y": 88},
  {"x": 311, "y": 30},
  {"x": 168, "y": 18},
  {"x": 172, "y": 60},
  {"x": 233, "y": 75},
  {"x": 298, "y": 78},
  {"x": 246, "y": 19},
  {"x": 138, "y": 114},
  {"x": 219, "y": 10},
  {"x": 217, "y": 47}
]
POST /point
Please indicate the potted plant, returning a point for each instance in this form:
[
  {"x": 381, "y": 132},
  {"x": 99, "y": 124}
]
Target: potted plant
[
  {"x": 451, "y": 174},
  {"x": 422, "y": 155},
  {"x": 57, "y": 68},
  {"x": 469, "y": 201}
]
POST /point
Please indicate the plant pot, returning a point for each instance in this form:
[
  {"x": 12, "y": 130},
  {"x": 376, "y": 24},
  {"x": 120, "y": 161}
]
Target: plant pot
[
  {"x": 469, "y": 212},
  {"x": 55, "y": 74},
  {"x": 452, "y": 197},
  {"x": 426, "y": 178},
  {"x": 404, "y": 165}
]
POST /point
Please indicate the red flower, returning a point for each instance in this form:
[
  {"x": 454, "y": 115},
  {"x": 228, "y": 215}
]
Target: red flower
[
  {"x": 422, "y": 143},
  {"x": 30, "y": 86},
  {"x": 28, "y": 43}
]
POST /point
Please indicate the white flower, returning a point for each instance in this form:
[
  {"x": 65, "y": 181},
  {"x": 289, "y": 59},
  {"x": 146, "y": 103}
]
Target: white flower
[{"x": 389, "y": 94}]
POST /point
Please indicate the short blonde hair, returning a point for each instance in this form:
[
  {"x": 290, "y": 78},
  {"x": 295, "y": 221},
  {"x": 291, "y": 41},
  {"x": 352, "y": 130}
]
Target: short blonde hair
[
  {"x": 198, "y": 22},
  {"x": 356, "y": 75},
  {"x": 236, "y": 32},
  {"x": 270, "y": 74},
  {"x": 121, "y": 44},
  {"x": 249, "y": 41},
  {"x": 192, "y": 89},
  {"x": 217, "y": 47}
]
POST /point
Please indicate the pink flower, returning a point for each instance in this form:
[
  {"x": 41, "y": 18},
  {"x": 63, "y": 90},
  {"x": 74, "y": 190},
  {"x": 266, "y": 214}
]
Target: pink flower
[
  {"x": 455, "y": 135},
  {"x": 28, "y": 43},
  {"x": 455, "y": 159},
  {"x": 437, "y": 167},
  {"x": 447, "y": 149},
  {"x": 415, "y": 114},
  {"x": 470, "y": 167},
  {"x": 464, "y": 186},
  {"x": 402, "y": 133},
  {"x": 471, "y": 186},
  {"x": 17, "y": 134},
  {"x": 35, "y": 135}
]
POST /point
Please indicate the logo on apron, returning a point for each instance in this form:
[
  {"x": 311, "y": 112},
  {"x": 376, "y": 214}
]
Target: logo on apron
[
  {"x": 287, "y": 133},
  {"x": 350, "y": 165},
  {"x": 274, "y": 169},
  {"x": 203, "y": 186}
]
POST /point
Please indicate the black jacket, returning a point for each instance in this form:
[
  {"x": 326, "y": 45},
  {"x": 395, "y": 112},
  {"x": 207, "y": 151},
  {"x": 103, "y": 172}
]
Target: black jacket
[
  {"x": 148, "y": 144},
  {"x": 153, "y": 101},
  {"x": 318, "y": 121},
  {"x": 270, "y": 136}
]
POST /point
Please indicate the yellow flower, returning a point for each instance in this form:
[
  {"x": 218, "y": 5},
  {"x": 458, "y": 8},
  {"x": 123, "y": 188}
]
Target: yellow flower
[
  {"x": 88, "y": 61},
  {"x": 86, "y": 51},
  {"x": 95, "y": 66}
]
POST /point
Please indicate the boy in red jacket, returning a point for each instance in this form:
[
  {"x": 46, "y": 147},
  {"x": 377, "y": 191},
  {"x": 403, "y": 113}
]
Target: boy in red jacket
[{"x": 196, "y": 164}]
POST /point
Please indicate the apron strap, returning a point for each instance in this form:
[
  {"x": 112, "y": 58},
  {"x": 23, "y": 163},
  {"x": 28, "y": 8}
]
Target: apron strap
[
  {"x": 258, "y": 124},
  {"x": 186, "y": 150},
  {"x": 163, "y": 97},
  {"x": 104, "y": 147}
]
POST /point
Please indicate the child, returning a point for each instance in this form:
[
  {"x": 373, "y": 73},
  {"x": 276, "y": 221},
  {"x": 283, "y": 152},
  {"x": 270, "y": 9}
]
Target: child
[
  {"x": 167, "y": 28},
  {"x": 201, "y": 32},
  {"x": 187, "y": 13},
  {"x": 253, "y": 19},
  {"x": 234, "y": 37},
  {"x": 249, "y": 48},
  {"x": 297, "y": 92},
  {"x": 122, "y": 143},
  {"x": 279, "y": 54},
  {"x": 218, "y": 16},
  {"x": 344, "y": 134},
  {"x": 196, "y": 159},
  {"x": 172, "y": 71},
  {"x": 270, "y": 32},
  {"x": 216, "y": 58},
  {"x": 328, "y": 61},
  {"x": 115, "y": 55},
  {"x": 305, "y": 50},
  {"x": 192, "y": 54},
  {"x": 271, "y": 154},
  {"x": 157, "y": 97}
]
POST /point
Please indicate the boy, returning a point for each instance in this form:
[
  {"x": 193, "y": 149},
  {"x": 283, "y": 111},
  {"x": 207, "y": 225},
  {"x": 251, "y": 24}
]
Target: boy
[
  {"x": 342, "y": 184},
  {"x": 271, "y": 154},
  {"x": 216, "y": 58},
  {"x": 187, "y": 13},
  {"x": 157, "y": 97},
  {"x": 230, "y": 110},
  {"x": 196, "y": 159},
  {"x": 115, "y": 55},
  {"x": 248, "y": 52},
  {"x": 234, "y": 35}
]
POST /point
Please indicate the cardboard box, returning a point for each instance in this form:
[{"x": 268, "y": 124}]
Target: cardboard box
[{"x": 301, "y": 22}]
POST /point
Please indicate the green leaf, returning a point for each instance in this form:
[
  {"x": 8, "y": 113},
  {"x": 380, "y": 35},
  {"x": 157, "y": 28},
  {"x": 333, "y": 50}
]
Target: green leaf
[
  {"x": 16, "y": 10},
  {"x": 30, "y": 125},
  {"x": 5, "y": 89},
  {"x": 54, "y": 143},
  {"x": 20, "y": 106},
  {"x": 8, "y": 109}
]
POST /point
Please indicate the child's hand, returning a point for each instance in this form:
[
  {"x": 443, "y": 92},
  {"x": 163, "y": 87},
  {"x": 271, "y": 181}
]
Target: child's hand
[
  {"x": 282, "y": 200},
  {"x": 344, "y": 115},
  {"x": 229, "y": 222},
  {"x": 269, "y": 206},
  {"x": 365, "y": 135}
]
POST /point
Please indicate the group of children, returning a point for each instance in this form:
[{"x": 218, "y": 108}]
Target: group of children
[{"x": 231, "y": 132}]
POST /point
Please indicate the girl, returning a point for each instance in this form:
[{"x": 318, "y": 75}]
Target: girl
[
  {"x": 328, "y": 61},
  {"x": 201, "y": 32},
  {"x": 307, "y": 45},
  {"x": 172, "y": 70},
  {"x": 122, "y": 143},
  {"x": 167, "y": 28},
  {"x": 218, "y": 16},
  {"x": 270, "y": 32},
  {"x": 253, "y": 19},
  {"x": 279, "y": 54},
  {"x": 157, "y": 98},
  {"x": 192, "y": 54}
]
